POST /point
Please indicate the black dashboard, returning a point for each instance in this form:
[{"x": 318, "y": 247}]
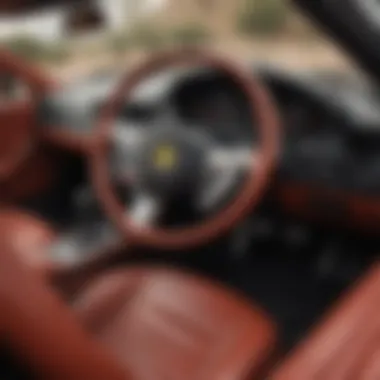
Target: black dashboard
[
  {"x": 331, "y": 121},
  {"x": 331, "y": 136},
  {"x": 216, "y": 103}
]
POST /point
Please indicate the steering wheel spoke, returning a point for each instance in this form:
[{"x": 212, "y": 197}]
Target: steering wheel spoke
[
  {"x": 225, "y": 159},
  {"x": 129, "y": 135},
  {"x": 225, "y": 166},
  {"x": 144, "y": 209},
  {"x": 127, "y": 140}
]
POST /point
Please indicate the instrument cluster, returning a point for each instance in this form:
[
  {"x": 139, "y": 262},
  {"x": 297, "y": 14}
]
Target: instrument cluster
[{"x": 217, "y": 104}]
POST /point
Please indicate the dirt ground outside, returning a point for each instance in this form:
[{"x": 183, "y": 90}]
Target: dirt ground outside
[
  {"x": 297, "y": 46},
  {"x": 288, "y": 54}
]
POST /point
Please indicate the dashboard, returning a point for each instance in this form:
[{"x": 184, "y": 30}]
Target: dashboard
[
  {"x": 329, "y": 167},
  {"x": 216, "y": 104},
  {"x": 331, "y": 137}
]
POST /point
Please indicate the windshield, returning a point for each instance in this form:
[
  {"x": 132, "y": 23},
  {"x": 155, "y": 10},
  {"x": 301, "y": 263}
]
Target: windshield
[{"x": 89, "y": 37}]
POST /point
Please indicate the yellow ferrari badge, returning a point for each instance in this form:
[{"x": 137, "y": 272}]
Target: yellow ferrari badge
[{"x": 165, "y": 157}]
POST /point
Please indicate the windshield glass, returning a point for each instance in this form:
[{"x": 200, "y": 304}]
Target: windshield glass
[{"x": 93, "y": 36}]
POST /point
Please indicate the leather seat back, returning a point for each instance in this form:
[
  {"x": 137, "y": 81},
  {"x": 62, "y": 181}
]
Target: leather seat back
[
  {"x": 42, "y": 333},
  {"x": 346, "y": 346}
]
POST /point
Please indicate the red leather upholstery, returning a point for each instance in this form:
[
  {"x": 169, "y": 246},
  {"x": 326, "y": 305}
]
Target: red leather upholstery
[
  {"x": 159, "y": 324},
  {"x": 163, "y": 324},
  {"x": 41, "y": 331},
  {"x": 347, "y": 345},
  {"x": 27, "y": 236}
]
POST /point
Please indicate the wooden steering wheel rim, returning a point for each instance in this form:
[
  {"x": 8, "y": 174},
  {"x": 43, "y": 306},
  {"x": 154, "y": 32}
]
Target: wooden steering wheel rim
[{"x": 262, "y": 109}]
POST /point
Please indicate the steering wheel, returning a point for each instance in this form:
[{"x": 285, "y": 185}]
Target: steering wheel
[
  {"x": 18, "y": 137},
  {"x": 170, "y": 159}
]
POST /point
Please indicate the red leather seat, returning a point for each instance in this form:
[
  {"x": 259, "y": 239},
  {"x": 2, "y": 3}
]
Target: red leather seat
[
  {"x": 27, "y": 236},
  {"x": 163, "y": 324},
  {"x": 346, "y": 346},
  {"x": 41, "y": 331},
  {"x": 159, "y": 324}
]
